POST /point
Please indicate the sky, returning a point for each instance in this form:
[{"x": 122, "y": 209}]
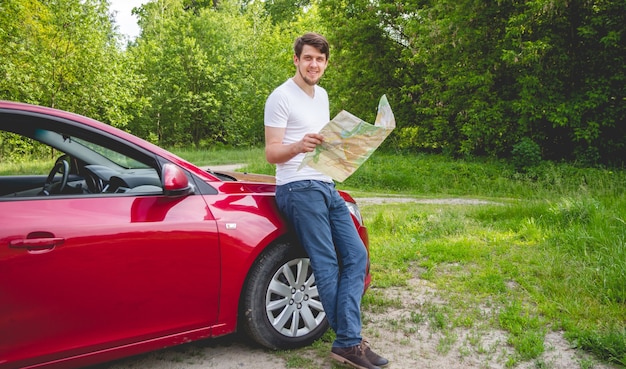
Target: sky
[{"x": 126, "y": 22}]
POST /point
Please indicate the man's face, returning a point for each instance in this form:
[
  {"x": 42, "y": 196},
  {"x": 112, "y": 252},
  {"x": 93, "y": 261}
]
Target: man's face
[{"x": 311, "y": 64}]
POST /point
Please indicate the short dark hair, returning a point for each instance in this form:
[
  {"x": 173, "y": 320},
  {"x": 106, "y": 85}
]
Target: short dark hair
[{"x": 313, "y": 39}]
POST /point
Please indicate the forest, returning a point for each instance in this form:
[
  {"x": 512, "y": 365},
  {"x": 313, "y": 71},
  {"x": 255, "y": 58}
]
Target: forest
[{"x": 522, "y": 80}]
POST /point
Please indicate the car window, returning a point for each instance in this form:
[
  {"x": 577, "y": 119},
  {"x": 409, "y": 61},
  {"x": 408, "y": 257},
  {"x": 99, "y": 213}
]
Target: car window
[
  {"x": 40, "y": 160},
  {"x": 17, "y": 152}
]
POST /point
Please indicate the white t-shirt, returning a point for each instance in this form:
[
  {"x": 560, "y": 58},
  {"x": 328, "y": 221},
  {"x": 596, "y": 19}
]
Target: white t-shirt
[{"x": 289, "y": 107}]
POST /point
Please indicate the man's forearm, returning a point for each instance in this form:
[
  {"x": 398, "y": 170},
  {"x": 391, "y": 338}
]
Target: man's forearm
[{"x": 281, "y": 153}]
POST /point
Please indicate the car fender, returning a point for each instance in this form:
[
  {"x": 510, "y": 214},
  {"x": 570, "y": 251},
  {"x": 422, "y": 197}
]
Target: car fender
[{"x": 248, "y": 221}]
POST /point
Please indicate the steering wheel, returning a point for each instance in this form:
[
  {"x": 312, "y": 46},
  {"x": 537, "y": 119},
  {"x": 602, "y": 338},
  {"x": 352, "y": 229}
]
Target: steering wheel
[{"x": 61, "y": 166}]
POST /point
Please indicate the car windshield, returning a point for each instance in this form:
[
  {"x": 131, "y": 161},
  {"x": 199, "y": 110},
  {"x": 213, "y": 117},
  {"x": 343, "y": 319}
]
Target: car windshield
[{"x": 114, "y": 156}]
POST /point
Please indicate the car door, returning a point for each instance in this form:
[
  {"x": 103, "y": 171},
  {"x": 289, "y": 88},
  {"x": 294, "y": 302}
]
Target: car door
[
  {"x": 91, "y": 273},
  {"x": 84, "y": 273}
]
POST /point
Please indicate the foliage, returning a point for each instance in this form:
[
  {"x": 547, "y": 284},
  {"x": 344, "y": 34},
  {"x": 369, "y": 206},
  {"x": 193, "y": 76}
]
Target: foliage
[
  {"x": 13, "y": 149},
  {"x": 525, "y": 154},
  {"x": 65, "y": 54},
  {"x": 479, "y": 76},
  {"x": 362, "y": 59},
  {"x": 464, "y": 77},
  {"x": 214, "y": 70}
]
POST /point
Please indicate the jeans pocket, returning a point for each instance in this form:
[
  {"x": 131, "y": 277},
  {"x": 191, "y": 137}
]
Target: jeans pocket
[{"x": 298, "y": 186}]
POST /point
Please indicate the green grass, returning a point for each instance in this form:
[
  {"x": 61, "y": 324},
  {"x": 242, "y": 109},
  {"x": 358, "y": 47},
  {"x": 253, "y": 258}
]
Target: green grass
[
  {"x": 27, "y": 166},
  {"x": 550, "y": 252},
  {"x": 564, "y": 258},
  {"x": 252, "y": 155}
]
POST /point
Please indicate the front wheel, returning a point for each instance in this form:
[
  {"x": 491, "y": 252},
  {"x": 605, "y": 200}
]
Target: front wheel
[{"x": 281, "y": 308}]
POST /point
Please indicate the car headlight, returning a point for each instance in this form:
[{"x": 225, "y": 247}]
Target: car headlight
[{"x": 354, "y": 210}]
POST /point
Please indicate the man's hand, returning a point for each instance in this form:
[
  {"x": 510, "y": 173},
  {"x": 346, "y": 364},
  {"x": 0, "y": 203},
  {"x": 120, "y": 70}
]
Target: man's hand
[
  {"x": 276, "y": 152},
  {"x": 309, "y": 142}
]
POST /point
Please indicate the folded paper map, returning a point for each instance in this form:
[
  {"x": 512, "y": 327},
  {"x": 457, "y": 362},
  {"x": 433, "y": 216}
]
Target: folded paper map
[{"x": 349, "y": 142}]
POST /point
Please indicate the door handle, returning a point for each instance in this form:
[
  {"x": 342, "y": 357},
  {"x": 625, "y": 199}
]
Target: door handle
[{"x": 36, "y": 244}]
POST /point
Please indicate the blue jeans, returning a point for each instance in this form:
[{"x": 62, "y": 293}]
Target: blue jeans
[{"x": 338, "y": 257}]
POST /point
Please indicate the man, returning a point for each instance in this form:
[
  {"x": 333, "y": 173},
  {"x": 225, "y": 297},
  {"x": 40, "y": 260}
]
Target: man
[{"x": 294, "y": 113}]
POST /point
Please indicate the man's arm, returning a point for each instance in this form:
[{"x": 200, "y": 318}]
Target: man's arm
[{"x": 276, "y": 152}]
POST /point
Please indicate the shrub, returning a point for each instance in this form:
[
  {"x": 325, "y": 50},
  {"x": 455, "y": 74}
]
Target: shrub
[{"x": 526, "y": 154}]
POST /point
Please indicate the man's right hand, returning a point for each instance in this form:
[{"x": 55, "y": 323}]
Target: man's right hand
[{"x": 309, "y": 142}]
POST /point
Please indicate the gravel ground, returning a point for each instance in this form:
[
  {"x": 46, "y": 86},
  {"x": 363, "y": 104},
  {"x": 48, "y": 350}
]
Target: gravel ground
[{"x": 394, "y": 333}]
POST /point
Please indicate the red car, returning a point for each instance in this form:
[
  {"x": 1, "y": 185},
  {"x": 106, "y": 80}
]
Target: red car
[{"x": 123, "y": 248}]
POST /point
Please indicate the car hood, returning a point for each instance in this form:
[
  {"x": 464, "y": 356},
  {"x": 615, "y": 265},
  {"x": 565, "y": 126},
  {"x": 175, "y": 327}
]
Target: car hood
[{"x": 226, "y": 175}]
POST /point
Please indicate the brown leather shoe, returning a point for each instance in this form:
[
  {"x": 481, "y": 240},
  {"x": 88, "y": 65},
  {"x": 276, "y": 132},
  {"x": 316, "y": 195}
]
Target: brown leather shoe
[
  {"x": 373, "y": 357},
  {"x": 353, "y": 356}
]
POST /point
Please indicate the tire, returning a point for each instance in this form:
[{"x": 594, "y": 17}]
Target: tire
[{"x": 281, "y": 308}]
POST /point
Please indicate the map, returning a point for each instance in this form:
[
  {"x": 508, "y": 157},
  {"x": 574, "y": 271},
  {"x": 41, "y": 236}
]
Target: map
[{"x": 349, "y": 142}]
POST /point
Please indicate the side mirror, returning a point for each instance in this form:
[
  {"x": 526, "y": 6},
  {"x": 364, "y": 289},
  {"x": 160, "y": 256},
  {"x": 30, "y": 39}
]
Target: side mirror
[{"x": 175, "y": 181}]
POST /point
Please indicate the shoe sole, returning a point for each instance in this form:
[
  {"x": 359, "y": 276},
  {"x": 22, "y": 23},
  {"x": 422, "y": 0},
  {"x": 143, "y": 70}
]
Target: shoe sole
[
  {"x": 343, "y": 360},
  {"x": 380, "y": 365}
]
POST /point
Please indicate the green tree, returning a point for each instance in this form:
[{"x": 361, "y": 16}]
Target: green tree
[
  {"x": 464, "y": 77},
  {"x": 207, "y": 75},
  {"x": 569, "y": 59},
  {"x": 364, "y": 57},
  {"x": 64, "y": 54},
  {"x": 477, "y": 77}
]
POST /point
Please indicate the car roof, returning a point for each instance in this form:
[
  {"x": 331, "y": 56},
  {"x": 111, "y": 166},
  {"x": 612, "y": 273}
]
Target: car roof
[{"x": 23, "y": 107}]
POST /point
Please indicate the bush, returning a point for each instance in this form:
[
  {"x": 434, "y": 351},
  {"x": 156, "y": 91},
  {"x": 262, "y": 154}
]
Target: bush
[{"x": 526, "y": 154}]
